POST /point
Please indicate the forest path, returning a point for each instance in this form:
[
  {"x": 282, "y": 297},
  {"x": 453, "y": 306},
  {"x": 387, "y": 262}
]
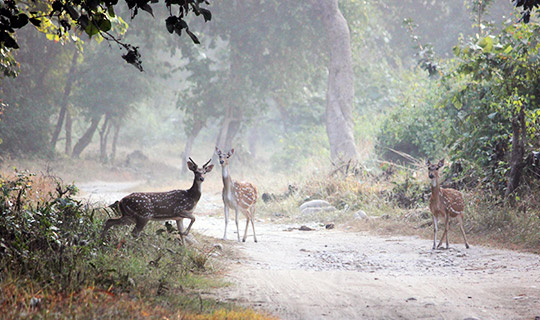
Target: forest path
[{"x": 336, "y": 274}]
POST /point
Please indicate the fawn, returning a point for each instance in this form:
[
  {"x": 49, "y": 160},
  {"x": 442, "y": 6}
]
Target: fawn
[
  {"x": 141, "y": 207},
  {"x": 237, "y": 195},
  {"x": 444, "y": 202}
]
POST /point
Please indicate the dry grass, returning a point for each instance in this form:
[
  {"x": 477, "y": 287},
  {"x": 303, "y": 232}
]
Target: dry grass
[
  {"x": 515, "y": 227},
  {"x": 19, "y": 300}
]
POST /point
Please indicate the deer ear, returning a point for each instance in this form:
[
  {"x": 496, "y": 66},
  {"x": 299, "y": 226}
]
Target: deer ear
[
  {"x": 428, "y": 163},
  {"x": 441, "y": 163},
  {"x": 191, "y": 166},
  {"x": 209, "y": 168},
  {"x": 218, "y": 152},
  {"x": 231, "y": 152}
]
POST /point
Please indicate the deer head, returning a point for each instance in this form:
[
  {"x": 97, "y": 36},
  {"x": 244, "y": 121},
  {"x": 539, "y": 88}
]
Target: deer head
[
  {"x": 224, "y": 157},
  {"x": 199, "y": 172},
  {"x": 433, "y": 171}
]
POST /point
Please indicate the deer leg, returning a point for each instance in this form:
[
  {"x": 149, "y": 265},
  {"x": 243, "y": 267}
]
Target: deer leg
[
  {"x": 245, "y": 232},
  {"x": 115, "y": 222},
  {"x": 435, "y": 227},
  {"x": 226, "y": 221},
  {"x": 236, "y": 221},
  {"x": 253, "y": 224},
  {"x": 445, "y": 234},
  {"x": 445, "y": 231},
  {"x": 192, "y": 218},
  {"x": 460, "y": 221},
  {"x": 180, "y": 225},
  {"x": 139, "y": 225}
]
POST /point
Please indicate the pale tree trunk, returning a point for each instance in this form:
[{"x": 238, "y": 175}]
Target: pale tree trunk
[
  {"x": 253, "y": 137},
  {"x": 189, "y": 144},
  {"x": 115, "y": 141},
  {"x": 103, "y": 137},
  {"x": 340, "y": 90},
  {"x": 233, "y": 116},
  {"x": 64, "y": 103},
  {"x": 68, "y": 126},
  {"x": 229, "y": 129},
  {"x": 86, "y": 138}
]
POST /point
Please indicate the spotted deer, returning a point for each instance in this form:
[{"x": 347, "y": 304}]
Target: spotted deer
[
  {"x": 444, "y": 203},
  {"x": 240, "y": 196},
  {"x": 141, "y": 207}
]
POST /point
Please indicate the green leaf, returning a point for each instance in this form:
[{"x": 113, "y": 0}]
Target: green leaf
[
  {"x": 8, "y": 41},
  {"x": 193, "y": 36},
  {"x": 105, "y": 24},
  {"x": 35, "y": 21},
  {"x": 83, "y": 21},
  {"x": 146, "y": 7},
  {"x": 91, "y": 29},
  {"x": 486, "y": 43},
  {"x": 508, "y": 49},
  {"x": 74, "y": 14},
  {"x": 19, "y": 21},
  {"x": 170, "y": 22},
  {"x": 206, "y": 14}
]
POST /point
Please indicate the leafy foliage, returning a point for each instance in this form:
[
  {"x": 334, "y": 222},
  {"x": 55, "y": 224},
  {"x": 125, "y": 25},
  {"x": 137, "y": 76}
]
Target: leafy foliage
[
  {"x": 415, "y": 126},
  {"x": 496, "y": 79},
  {"x": 94, "y": 17},
  {"x": 528, "y": 6},
  {"x": 43, "y": 239}
]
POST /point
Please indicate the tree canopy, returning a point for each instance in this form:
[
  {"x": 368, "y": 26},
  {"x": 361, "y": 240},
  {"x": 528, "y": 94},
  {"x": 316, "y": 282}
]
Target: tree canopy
[{"x": 67, "y": 19}]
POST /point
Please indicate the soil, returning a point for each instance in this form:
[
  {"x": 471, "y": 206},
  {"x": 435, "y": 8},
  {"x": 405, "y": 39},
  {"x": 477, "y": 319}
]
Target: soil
[{"x": 338, "y": 274}]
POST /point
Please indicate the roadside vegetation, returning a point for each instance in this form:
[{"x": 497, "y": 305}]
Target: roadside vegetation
[{"x": 55, "y": 265}]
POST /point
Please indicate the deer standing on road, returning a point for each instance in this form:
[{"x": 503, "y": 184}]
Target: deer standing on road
[
  {"x": 139, "y": 208},
  {"x": 237, "y": 195},
  {"x": 444, "y": 203}
]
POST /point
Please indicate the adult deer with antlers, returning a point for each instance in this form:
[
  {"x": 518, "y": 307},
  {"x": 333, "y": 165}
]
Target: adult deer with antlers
[
  {"x": 240, "y": 196},
  {"x": 444, "y": 203},
  {"x": 141, "y": 207}
]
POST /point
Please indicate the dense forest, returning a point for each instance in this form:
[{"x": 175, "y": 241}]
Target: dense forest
[{"x": 364, "y": 91}]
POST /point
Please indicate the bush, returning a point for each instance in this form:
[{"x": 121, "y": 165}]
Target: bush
[
  {"x": 52, "y": 257},
  {"x": 416, "y": 127}
]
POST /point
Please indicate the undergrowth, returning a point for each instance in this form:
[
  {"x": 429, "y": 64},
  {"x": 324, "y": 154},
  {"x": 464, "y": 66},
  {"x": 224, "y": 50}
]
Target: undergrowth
[
  {"x": 54, "y": 264},
  {"x": 396, "y": 199}
]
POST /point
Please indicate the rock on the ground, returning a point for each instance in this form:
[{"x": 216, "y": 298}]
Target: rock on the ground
[
  {"x": 314, "y": 206},
  {"x": 360, "y": 215}
]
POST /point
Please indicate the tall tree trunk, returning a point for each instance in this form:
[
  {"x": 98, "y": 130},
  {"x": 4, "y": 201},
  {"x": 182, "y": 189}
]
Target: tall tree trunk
[
  {"x": 229, "y": 128},
  {"x": 64, "y": 103},
  {"x": 189, "y": 143},
  {"x": 103, "y": 135},
  {"x": 68, "y": 126},
  {"x": 253, "y": 137},
  {"x": 222, "y": 135},
  {"x": 86, "y": 138},
  {"x": 236, "y": 99},
  {"x": 517, "y": 161},
  {"x": 115, "y": 141},
  {"x": 340, "y": 90}
]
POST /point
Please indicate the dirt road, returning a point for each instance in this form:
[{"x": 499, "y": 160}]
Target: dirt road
[{"x": 335, "y": 274}]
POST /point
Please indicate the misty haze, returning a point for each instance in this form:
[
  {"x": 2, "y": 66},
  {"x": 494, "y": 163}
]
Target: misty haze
[{"x": 316, "y": 159}]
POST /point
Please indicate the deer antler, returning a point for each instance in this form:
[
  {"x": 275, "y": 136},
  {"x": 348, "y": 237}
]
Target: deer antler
[
  {"x": 192, "y": 161},
  {"x": 204, "y": 166}
]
